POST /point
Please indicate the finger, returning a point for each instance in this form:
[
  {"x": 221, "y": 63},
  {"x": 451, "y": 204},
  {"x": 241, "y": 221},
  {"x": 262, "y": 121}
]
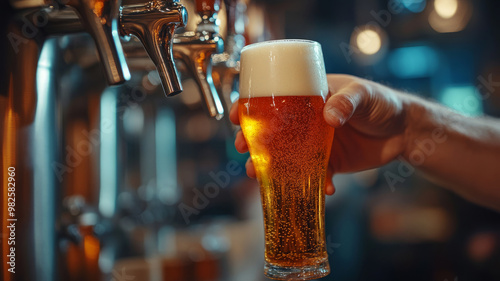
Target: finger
[
  {"x": 250, "y": 169},
  {"x": 240, "y": 143},
  {"x": 233, "y": 113},
  {"x": 342, "y": 104},
  {"x": 329, "y": 187}
]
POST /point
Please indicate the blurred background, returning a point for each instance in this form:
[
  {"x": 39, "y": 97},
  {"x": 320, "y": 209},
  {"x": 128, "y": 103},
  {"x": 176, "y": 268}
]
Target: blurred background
[{"x": 167, "y": 197}]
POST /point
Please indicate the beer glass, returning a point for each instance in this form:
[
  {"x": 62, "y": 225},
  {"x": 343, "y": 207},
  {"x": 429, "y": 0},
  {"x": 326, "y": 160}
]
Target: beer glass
[{"x": 283, "y": 89}]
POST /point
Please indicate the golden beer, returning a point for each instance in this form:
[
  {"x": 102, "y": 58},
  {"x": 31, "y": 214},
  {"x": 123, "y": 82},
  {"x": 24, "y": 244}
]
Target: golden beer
[{"x": 289, "y": 143}]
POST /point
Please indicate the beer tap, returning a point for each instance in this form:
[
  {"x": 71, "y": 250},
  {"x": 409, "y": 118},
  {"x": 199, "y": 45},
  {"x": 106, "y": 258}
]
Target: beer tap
[
  {"x": 226, "y": 65},
  {"x": 154, "y": 24},
  {"x": 97, "y": 18},
  {"x": 195, "y": 49},
  {"x": 100, "y": 20}
]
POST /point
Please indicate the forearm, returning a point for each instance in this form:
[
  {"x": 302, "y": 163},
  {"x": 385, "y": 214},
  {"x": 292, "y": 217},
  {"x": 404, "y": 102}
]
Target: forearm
[{"x": 459, "y": 152}]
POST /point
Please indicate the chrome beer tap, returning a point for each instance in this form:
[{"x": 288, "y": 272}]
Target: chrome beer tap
[
  {"x": 154, "y": 24},
  {"x": 100, "y": 20},
  {"x": 227, "y": 64},
  {"x": 195, "y": 50}
]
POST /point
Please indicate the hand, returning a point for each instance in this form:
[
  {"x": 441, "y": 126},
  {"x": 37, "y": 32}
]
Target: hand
[{"x": 370, "y": 126}]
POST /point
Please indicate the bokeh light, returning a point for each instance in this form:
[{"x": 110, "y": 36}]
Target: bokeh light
[
  {"x": 368, "y": 42},
  {"x": 414, "y": 6},
  {"x": 450, "y": 15},
  {"x": 446, "y": 8},
  {"x": 464, "y": 99},
  {"x": 413, "y": 62}
]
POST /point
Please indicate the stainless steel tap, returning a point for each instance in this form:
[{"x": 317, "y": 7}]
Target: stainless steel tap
[
  {"x": 195, "y": 49},
  {"x": 154, "y": 23},
  {"x": 227, "y": 64},
  {"x": 100, "y": 20}
]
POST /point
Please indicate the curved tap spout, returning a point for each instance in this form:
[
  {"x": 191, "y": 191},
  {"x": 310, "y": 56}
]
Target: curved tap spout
[
  {"x": 100, "y": 19},
  {"x": 195, "y": 50},
  {"x": 154, "y": 24},
  {"x": 226, "y": 65}
]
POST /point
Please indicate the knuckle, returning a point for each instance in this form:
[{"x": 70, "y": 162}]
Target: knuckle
[
  {"x": 346, "y": 102},
  {"x": 360, "y": 88}
]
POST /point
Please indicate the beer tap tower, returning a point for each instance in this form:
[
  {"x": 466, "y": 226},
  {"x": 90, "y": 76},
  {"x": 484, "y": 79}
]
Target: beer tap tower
[{"x": 35, "y": 99}]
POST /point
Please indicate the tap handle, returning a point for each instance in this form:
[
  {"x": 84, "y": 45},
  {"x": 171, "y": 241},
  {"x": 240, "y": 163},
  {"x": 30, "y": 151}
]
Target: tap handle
[
  {"x": 154, "y": 24},
  {"x": 100, "y": 19}
]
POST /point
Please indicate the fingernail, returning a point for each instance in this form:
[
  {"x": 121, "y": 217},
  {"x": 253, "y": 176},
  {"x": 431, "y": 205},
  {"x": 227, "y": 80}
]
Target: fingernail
[{"x": 337, "y": 114}]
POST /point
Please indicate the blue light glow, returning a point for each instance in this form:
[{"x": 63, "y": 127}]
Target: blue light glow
[
  {"x": 44, "y": 152},
  {"x": 413, "y": 62},
  {"x": 108, "y": 151},
  {"x": 166, "y": 156},
  {"x": 414, "y": 6},
  {"x": 463, "y": 99}
]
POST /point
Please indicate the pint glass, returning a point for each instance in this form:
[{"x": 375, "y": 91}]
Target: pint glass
[{"x": 283, "y": 89}]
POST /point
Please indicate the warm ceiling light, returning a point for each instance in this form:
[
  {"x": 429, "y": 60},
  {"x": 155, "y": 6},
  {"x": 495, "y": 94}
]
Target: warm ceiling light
[
  {"x": 450, "y": 15},
  {"x": 446, "y": 8},
  {"x": 369, "y": 42}
]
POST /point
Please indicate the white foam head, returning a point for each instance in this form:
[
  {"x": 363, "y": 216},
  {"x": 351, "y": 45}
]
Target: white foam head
[{"x": 283, "y": 68}]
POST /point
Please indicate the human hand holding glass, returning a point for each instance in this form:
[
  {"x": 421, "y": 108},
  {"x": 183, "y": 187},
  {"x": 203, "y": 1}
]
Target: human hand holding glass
[{"x": 371, "y": 123}]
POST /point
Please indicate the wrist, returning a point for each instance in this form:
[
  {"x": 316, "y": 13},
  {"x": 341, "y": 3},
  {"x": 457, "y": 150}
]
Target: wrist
[
  {"x": 425, "y": 129},
  {"x": 416, "y": 114}
]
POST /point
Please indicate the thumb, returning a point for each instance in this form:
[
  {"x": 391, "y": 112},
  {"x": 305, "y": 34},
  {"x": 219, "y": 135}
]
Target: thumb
[{"x": 341, "y": 106}]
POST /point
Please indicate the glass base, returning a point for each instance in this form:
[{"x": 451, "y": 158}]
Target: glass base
[{"x": 297, "y": 273}]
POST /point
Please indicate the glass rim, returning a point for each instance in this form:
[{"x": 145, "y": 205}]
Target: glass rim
[{"x": 279, "y": 41}]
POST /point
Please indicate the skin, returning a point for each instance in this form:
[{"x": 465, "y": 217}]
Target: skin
[{"x": 376, "y": 125}]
